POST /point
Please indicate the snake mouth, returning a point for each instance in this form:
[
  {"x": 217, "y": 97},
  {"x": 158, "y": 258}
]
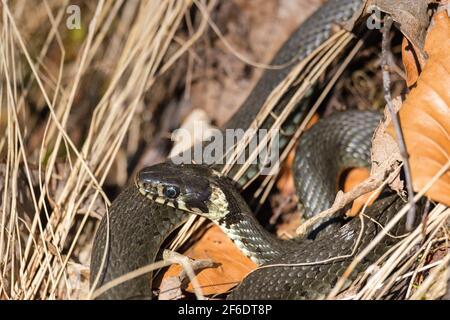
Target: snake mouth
[
  {"x": 148, "y": 193},
  {"x": 152, "y": 195}
]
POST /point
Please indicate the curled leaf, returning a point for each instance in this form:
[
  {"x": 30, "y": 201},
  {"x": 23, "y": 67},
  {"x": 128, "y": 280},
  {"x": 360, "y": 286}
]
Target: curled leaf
[
  {"x": 411, "y": 17},
  {"x": 425, "y": 114}
]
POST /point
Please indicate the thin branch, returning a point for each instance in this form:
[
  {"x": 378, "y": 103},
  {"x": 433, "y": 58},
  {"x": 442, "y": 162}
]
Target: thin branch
[{"x": 385, "y": 48}]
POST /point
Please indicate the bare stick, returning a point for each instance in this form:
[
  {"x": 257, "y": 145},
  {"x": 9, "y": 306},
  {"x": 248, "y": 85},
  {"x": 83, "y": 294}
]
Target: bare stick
[
  {"x": 190, "y": 267},
  {"x": 385, "y": 47}
]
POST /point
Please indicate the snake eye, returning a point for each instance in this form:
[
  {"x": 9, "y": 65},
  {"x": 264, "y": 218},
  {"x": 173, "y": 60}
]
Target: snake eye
[{"x": 171, "y": 192}]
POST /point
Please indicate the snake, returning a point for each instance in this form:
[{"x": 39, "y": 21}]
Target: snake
[{"x": 163, "y": 196}]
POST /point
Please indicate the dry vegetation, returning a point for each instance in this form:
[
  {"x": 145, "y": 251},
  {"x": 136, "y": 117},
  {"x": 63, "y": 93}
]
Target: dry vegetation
[{"x": 81, "y": 110}]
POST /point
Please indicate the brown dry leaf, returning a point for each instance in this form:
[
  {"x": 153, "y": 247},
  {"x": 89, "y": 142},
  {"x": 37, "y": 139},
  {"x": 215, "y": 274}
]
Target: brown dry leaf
[
  {"x": 411, "y": 17},
  {"x": 352, "y": 178},
  {"x": 286, "y": 183},
  {"x": 170, "y": 288},
  {"x": 386, "y": 155},
  {"x": 413, "y": 64},
  {"x": 216, "y": 245},
  {"x": 425, "y": 114}
]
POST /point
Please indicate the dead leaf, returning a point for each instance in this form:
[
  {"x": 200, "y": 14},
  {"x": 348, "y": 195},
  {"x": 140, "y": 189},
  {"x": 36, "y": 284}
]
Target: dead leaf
[
  {"x": 412, "y": 62},
  {"x": 352, "y": 178},
  {"x": 216, "y": 246},
  {"x": 286, "y": 183},
  {"x": 386, "y": 159},
  {"x": 386, "y": 155},
  {"x": 425, "y": 114},
  {"x": 411, "y": 17},
  {"x": 170, "y": 288}
]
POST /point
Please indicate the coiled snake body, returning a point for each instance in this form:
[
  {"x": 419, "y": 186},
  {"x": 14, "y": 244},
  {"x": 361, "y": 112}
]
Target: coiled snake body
[{"x": 142, "y": 217}]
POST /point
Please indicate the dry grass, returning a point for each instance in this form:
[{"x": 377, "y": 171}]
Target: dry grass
[
  {"x": 127, "y": 40},
  {"x": 53, "y": 171},
  {"x": 409, "y": 258}
]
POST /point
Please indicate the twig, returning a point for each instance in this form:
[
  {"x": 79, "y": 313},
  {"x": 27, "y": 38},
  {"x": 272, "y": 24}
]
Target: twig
[
  {"x": 170, "y": 259},
  {"x": 385, "y": 45},
  {"x": 375, "y": 182},
  {"x": 342, "y": 199},
  {"x": 190, "y": 268}
]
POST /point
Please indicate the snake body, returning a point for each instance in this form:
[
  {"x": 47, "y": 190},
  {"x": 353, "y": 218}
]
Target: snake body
[{"x": 138, "y": 226}]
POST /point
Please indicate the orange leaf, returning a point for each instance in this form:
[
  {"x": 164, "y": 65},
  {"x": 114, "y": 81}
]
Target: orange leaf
[
  {"x": 216, "y": 245},
  {"x": 286, "y": 183},
  {"x": 412, "y": 62},
  {"x": 352, "y": 178},
  {"x": 425, "y": 114}
]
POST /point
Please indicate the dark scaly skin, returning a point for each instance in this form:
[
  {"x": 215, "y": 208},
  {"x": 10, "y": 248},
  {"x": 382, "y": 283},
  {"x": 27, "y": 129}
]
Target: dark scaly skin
[
  {"x": 339, "y": 239},
  {"x": 138, "y": 227},
  {"x": 316, "y": 281},
  {"x": 147, "y": 228},
  {"x": 333, "y": 144},
  {"x": 347, "y": 145},
  {"x": 126, "y": 250}
]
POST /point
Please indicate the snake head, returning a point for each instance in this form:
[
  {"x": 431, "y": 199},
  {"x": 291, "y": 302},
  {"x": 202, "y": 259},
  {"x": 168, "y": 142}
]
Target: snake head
[{"x": 188, "y": 187}]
